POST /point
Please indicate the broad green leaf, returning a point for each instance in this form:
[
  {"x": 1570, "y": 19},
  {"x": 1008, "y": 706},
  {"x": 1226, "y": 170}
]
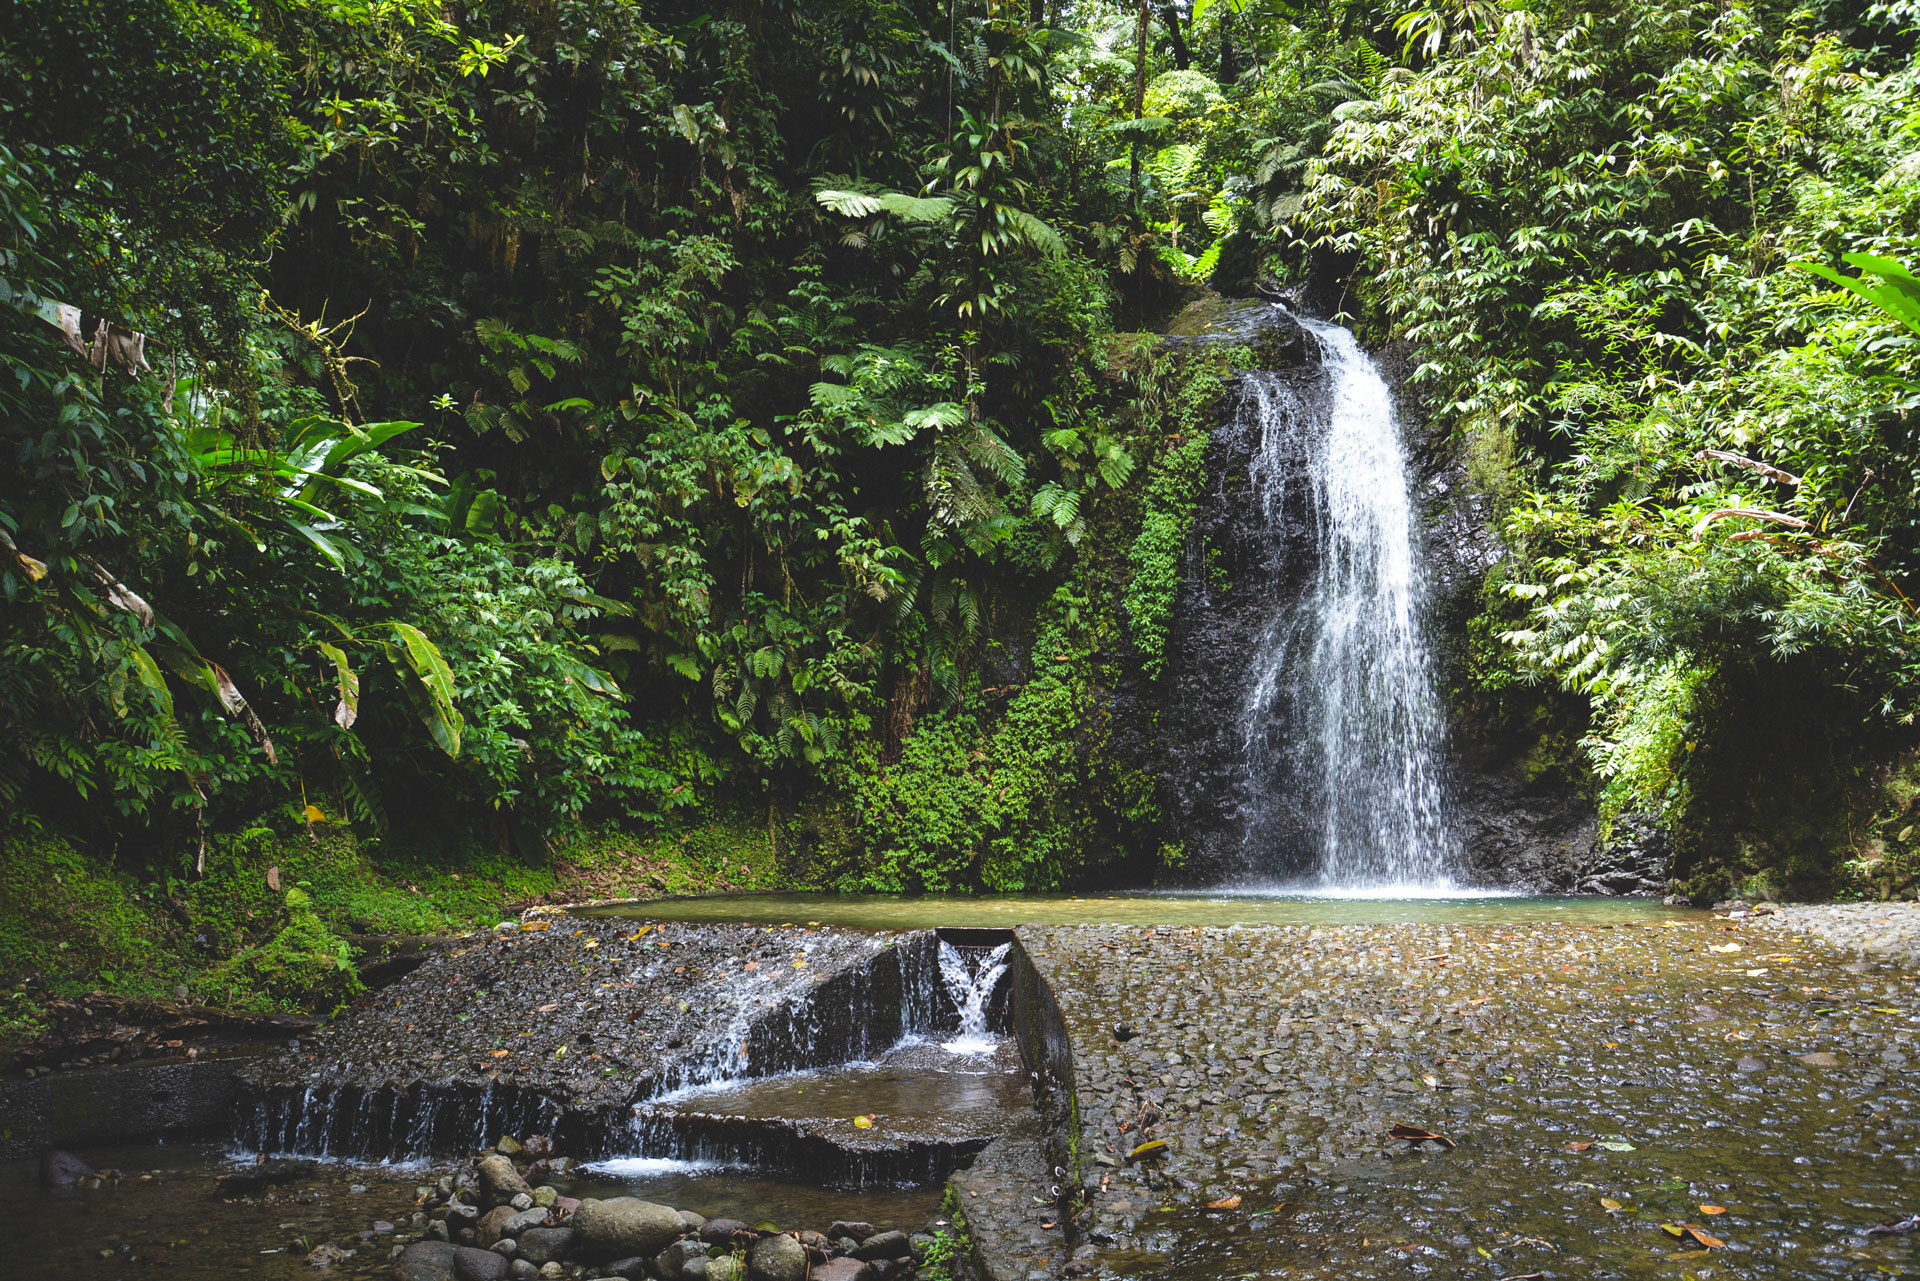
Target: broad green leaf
[
  {"x": 444, "y": 721},
  {"x": 348, "y": 709},
  {"x": 150, "y": 676}
]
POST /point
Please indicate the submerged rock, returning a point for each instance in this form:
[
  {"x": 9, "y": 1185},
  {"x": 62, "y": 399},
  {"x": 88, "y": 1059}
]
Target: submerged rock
[{"x": 63, "y": 1171}]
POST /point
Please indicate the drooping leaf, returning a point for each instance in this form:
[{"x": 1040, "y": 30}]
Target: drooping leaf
[
  {"x": 443, "y": 719},
  {"x": 348, "y": 709}
]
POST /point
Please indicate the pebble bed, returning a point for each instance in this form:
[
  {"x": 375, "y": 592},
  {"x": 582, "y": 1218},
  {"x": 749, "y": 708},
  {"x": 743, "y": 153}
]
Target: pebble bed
[
  {"x": 1890, "y": 930},
  {"x": 1704, "y": 1096}
]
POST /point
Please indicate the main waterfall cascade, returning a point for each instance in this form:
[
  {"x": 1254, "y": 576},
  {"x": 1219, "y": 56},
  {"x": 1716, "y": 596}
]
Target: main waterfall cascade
[{"x": 1343, "y": 724}]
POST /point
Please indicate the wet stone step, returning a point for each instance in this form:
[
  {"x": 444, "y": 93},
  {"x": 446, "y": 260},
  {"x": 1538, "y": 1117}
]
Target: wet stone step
[{"x": 914, "y": 1114}]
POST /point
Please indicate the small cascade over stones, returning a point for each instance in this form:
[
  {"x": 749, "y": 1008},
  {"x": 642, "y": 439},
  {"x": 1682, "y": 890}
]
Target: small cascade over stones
[{"x": 971, "y": 978}]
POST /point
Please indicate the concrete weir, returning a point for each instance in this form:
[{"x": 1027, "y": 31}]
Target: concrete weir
[{"x": 620, "y": 1037}]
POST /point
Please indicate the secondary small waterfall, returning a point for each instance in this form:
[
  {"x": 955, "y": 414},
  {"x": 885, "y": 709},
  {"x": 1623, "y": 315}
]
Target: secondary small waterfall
[
  {"x": 970, "y": 980},
  {"x": 1343, "y": 726}
]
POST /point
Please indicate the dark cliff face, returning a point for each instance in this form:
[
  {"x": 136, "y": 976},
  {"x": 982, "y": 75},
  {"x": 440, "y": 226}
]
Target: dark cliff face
[
  {"x": 1239, "y": 574},
  {"x": 1519, "y": 825}
]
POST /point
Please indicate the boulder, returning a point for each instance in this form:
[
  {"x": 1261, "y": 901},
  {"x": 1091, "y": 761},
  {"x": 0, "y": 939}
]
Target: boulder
[
  {"x": 858, "y": 1229},
  {"x": 628, "y": 1268},
  {"x": 884, "y": 1245},
  {"x": 500, "y": 1182},
  {"x": 729, "y": 1267},
  {"x": 545, "y": 1245},
  {"x": 470, "y": 1264},
  {"x": 521, "y": 1220},
  {"x": 488, "y": 1229},
  {"x": 721, "y": 1231},
  {"x": 693, "y": 1221},
  {"x": 841, "y": 1270},
  {"x": 621, "y": 1227},
  {"x": 425, "y": 1261},
  {"x": 681, "y": 1261},
  {"x": 778, "y": 1257}
]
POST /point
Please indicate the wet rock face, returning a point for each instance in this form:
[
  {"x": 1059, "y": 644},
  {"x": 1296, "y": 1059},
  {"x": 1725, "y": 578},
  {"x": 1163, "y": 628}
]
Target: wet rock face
[
  {"x": 1519, "y": 826},
  {"x": 1237, "y": 574},
  {"x": 1247, "y": 1126}
]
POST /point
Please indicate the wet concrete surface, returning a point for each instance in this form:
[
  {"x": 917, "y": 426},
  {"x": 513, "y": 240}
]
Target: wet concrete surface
[
  {"x": 1009, "y": 1201},
  {"x": 1605, "y": 1088},
  {"x": 562, "y": 1025},
  {"x": 914, "y": 1114}
]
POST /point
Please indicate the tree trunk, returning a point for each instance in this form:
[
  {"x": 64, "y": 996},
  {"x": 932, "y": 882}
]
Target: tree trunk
[
  {"x": 1139, "y": 102},
  {"x": 1182, "y": 54}
]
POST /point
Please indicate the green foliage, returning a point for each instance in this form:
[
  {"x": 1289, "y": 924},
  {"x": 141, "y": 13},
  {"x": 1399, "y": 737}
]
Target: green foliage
[
  {"x": 948, "y": 1248},
  {"x": 1185, "y": 401},
  {"x": 303, "y": 965},
  {"x": 1581, "y": 218}
]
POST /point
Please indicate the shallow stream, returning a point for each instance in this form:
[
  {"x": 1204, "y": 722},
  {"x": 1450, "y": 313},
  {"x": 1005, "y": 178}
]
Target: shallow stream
[{"x": 1199, "y": 907}]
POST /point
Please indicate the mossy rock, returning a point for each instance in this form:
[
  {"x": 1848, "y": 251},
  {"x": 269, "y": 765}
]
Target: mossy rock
[{"x": 1276, "y": 339}]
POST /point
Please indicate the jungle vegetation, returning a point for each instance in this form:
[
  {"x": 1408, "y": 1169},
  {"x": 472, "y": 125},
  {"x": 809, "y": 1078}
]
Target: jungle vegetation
[{"x": 548, "y": 414}]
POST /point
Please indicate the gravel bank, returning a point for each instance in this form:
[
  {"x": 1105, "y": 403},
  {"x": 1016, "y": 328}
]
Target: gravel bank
[
  {"x": 1890, "y": 930},
  {"x": 1602, "y": 1087}
]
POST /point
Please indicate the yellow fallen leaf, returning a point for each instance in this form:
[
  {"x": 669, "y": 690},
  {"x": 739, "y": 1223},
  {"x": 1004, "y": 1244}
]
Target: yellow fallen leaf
[
  {"x": 1726, "y": 947},
  {"x": 1754, "y": 974},
  {"x": 1225, "y": 1203},
  {"x": 313, "y": 815},
  {"x": 1608, "y": 1203},
  {"x": 863, "y": 1123},
  {"x": 799, "y": 965},
  {"x": 591, "y": 943},
  {"x": 1713, "y": 1209}
]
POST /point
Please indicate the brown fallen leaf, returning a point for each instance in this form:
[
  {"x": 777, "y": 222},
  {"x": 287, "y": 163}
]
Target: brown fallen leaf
[
  {"x": 1050, "y": 1225},
  {"x": 1580, "y": 1146},
  {"x": 548, "y": 1008},
  {"x": 273, "y": 879},
  {"x": 1416, "y": 1136},
  {"x": 1713, "y": 1209},
  {"x": 1701, "y": 1235},
  {"x": 1225, "y": 1203}
]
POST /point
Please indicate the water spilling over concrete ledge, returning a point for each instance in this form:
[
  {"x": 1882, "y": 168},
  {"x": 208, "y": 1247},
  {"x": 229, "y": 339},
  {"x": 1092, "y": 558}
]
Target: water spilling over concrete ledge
[{"x": 598, "y": 1032}]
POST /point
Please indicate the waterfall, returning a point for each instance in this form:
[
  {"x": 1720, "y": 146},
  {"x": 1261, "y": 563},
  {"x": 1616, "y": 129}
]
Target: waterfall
[
  {"x": 971, "y": 980},
  {"x": 1343, "y": 726}
]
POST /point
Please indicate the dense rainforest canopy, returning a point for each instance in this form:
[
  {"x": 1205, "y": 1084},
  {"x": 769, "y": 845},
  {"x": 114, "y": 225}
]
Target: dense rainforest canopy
[{"x": 517, "y": 415}]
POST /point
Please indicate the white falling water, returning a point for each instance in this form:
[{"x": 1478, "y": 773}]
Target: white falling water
[
  {"x": 971, "y": 982},
  {"x": 1348, "y": 665}
]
